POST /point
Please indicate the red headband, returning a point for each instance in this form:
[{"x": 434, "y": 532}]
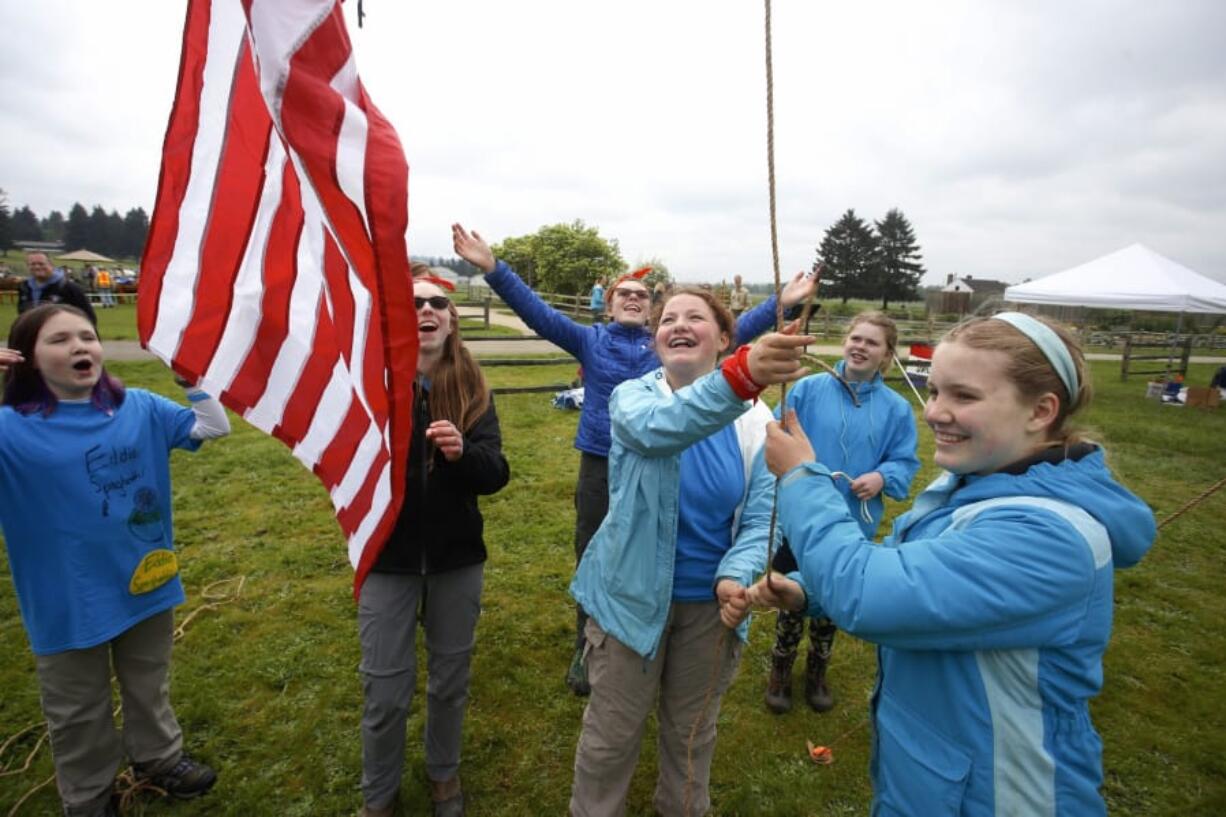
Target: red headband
[
  {"x": 438, "y": 282},
  {"x": 637, "y": 275}
]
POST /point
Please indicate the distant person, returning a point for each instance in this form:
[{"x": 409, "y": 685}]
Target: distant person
[
  {"x": 85, "y": 505},
  {"x": 596, "y": 303},
  {"x": 47, "y": 285},
  {"x": 610, "y": 353},
  {"x": 103, "y": 279},
  {"x": 738, "y": 301}
]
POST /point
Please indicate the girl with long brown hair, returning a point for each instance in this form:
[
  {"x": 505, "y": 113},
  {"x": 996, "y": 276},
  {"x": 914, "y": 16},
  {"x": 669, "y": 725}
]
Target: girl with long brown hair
[{"x": 432, "y": 566}]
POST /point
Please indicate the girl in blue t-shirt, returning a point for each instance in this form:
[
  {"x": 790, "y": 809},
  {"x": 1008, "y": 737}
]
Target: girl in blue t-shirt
[{"x": 91, "y": 550}]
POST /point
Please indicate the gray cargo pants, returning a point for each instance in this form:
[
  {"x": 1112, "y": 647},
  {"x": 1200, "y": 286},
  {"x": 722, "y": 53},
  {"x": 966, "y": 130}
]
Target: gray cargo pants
[{"x": 387, "y": 627}]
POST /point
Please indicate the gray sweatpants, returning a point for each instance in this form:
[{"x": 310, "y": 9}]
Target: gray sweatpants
[
  {"x": 387, "y": 627},
  {"x": 625, "y": 687},
  {"x": 75, "y": 687}
]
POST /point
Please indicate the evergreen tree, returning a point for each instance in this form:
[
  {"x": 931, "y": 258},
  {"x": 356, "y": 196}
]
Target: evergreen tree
[
  {"x": 98, "y": 228},
  {"x": 25, "y": 225},
  {"x": 849, "y": 254},
  {"x": 899, "y": 257},
  {"x": 6, "y": 223},
  {"x": 76, "y": 234},
  {"x": 114, "y": 238},
  {"x": 54, "y": 226},
  {"x": 135, "y": 231}
]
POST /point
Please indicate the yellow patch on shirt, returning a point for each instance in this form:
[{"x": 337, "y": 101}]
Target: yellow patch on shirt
[{"x": 158, "y": 567}]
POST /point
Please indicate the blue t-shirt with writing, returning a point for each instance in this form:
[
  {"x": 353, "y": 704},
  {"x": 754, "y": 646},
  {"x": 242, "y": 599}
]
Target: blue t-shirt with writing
[
  {"x": 85, "y": 509},
  {"x": 712, "y": 486}
]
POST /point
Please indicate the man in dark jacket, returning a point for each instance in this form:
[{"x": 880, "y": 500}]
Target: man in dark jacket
[{"x": 46, "y": 285}]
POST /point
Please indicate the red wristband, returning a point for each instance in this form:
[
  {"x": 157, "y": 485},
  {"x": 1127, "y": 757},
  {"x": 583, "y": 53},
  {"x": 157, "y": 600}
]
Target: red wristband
[{"x": 736, "y": 371}]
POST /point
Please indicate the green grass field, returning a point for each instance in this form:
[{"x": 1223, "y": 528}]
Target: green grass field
[{"x": 267, "y": 690}]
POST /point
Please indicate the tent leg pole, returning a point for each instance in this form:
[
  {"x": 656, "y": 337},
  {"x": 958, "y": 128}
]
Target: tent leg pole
[{"x": 1170, "y": 355}]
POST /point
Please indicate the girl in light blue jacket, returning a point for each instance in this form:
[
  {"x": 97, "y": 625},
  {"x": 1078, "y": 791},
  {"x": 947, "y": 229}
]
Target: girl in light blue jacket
[
  {"x": 991, "y": 601},
  {"x": 872, "y": 440},
  {"x": 665, "y": 575}
]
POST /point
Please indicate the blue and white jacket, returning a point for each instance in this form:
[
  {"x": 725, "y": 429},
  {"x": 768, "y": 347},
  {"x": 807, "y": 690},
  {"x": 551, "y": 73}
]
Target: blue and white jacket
[
  {"x": 879, "y": 435},
  {"x": 609, "y": 352},
  {"x": 625, "y": 579},
  {"x": 991, "y": 604}
]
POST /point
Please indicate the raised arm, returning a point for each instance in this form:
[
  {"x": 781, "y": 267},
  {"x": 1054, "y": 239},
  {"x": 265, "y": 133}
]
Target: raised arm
[
  {"x": 546, "y": 321},
  {"x": 762, "y": 317}
]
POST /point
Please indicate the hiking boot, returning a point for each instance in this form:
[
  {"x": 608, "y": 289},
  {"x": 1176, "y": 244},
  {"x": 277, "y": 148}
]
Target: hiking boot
[
  {"x": 576, "y": 675},
  {"x": 448, "y": 797},
  {"x": 373, "y": 811},
  {"x": 185, "y": 779},
  {"x": 817, "y": 693},
  {"x": 779, "y": 687}
]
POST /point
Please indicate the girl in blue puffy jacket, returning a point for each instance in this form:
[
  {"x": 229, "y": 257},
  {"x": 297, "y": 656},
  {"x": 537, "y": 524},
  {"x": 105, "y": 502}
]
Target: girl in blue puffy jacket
[{"x": 991, "y": 601}]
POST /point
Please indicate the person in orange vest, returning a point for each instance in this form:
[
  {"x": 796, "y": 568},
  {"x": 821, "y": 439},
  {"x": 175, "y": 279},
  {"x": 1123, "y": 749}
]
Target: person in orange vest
[{"x": 103, "y": 280}]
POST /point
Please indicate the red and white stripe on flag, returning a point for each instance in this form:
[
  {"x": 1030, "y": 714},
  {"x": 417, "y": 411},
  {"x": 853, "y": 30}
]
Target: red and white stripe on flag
[{"x": 276, "y": 271}]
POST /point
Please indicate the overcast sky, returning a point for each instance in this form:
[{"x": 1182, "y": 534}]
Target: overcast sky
[{"x": 1019, "y": 138}]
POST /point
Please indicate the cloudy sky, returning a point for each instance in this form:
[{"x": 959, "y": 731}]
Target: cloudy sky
[{"x": 1018, "y": 138}]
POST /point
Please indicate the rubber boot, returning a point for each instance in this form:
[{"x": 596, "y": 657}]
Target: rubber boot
[
  {"x": 817, "y": 692},
  {"x": 779, "y": 687}
]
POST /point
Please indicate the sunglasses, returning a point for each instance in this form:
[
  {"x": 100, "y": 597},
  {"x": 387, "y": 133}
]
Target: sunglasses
[
  {"x": 632, "y": 294},
  {"x": 437, "y": 302}
]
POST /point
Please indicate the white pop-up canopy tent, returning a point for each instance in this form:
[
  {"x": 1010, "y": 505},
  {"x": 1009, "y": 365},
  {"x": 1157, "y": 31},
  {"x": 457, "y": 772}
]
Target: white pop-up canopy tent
[{"x": 1135, "y": 277}]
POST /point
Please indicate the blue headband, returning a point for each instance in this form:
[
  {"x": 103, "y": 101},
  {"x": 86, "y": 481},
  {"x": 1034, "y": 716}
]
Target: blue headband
[{"x": 1050, "y": 344}]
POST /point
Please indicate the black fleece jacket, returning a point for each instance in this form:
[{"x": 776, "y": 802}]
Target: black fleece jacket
[{"x": 440, "y": 526}]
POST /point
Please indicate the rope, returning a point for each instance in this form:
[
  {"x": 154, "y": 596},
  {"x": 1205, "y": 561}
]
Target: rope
[
  {"x": 1192, "y": 503},
  {"x": 128, "y": 786},
  {"x": 770, "y": 167},
  {"x": 865, "y": 513},
  {"x": 907, "y": 378}
]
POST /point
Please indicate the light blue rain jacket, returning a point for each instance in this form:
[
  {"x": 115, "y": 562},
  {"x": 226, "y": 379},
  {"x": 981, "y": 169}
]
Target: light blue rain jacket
[
  {"x": 625, "y": 579},
  {"x": 991, "y": 604},
  {"x": 878, "y": 435}
]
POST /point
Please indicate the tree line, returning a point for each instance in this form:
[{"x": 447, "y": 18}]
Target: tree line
[
  {"x": 97, "y": 230},
  {"x": 858, "y": 259}
]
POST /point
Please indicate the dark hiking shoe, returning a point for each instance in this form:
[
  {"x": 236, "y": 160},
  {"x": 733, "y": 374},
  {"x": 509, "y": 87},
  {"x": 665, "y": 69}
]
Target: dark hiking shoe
[
  {"x": 448, "y": 798},
  {"x": 817, "y": 692},
  {"x": 186, "y": 779},
  {"x": 576, "y": 675},
  {"x": 779, "y": 687}
]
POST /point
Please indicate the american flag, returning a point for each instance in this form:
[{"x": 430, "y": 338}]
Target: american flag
[{"x": 276, "y": 271}]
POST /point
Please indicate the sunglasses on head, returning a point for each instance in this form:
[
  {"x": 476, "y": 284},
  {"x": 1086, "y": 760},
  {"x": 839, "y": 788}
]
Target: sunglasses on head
[
  {"x": 437, "y": 302},
  {"x": 632, "y": 293}
]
